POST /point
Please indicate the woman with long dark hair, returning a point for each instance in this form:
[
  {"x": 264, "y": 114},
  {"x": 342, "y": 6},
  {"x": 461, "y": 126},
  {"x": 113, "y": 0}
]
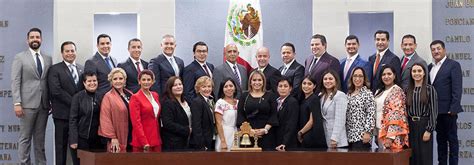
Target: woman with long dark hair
[{"x": 226, "y": 114}]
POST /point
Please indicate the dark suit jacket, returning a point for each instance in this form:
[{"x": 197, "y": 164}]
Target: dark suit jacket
[
  {"x": 325, "y": 62},
  {"x": 387, "y": 59},
  {"x": 203, "y": 124},
  {"x": 98, "y": 65},
  {"x": 191, "y": 73},
  {"x": 224, "y": 71},
  {"x": 272, "y": 76},
  {"x": 163, "y": 70},
  {"x": 287, "y": 130},
  {"x": 175, "y": 131},
  {"x": 405, "y": 77},
  {"x": 358, "y": 62},
  {"x": 62, "y": 87},
  {"x": 132, "y": 74},
  {"x": 296, "y": 73},
  {"x": 448, "y": 84}
]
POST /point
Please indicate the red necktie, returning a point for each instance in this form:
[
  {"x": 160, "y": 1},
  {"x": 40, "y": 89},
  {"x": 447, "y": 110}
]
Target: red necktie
[
  {"x": 405, "y": 61},
  {"x": 377, "y": 62},
  {"x": 138, "y": 67}
]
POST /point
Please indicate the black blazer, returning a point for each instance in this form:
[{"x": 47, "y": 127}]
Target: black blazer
[
  {"x": 62, "y": 87},
  {"x": 191, "y": 73},
  {"x": 203, "y": 124},
  {"x": 296, "y": 73},
  {"x": 81, "y": 116},
  {"x": 288, "y": 122},
  {"x": 315, "y": 138},
  {"x": 272, "y": 76},
  {"x": 175, "y": 130},
  {"x": 132, "y": 73},
  {"x": 387, "y": 59},
  {"x": 98, "y": 65},
  {"x": 163, "y": 70},
  {"x": 448, "y": 85}
]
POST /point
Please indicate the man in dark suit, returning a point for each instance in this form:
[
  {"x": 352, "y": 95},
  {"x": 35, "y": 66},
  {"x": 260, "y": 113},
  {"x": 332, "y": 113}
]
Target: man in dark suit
[
  {"x": 272, "y": 75},
  {"x": 166, "y": 64},
  {"x": 63, "y": 82},
  {"x": 383, "y": 56},
  {"x": 30, "y": 97},
  {"x": 446, "y": 77},
  {"x": 410, "y": 58},
  {"x": 352, "y": 61},
  {"x": 199, "y": 67},
  {"x": 101, "y": 64},
  {"x": 291, "y": 68},
  {"x": 133, "y": 65},
  {"x": 320, "y": 61},
  {"x": 230, "y": 68}
]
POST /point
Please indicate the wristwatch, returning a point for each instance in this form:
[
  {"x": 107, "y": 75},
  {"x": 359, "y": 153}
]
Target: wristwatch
[{"x": 16, "y": 104}]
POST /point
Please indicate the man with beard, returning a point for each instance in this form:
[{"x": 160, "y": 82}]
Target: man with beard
[{"x": 30, "y": 97}]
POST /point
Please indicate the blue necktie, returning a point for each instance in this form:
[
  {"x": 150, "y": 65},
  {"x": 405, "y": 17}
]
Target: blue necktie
[
  {"x": 38, "y": 65},
  {"x": 107, "y": 60}
]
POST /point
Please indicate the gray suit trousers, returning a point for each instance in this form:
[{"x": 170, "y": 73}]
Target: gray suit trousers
[{"x": 32, "y": 126}]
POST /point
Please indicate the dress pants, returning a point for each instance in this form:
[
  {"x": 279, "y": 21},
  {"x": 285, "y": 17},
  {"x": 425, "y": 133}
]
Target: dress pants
[
  {"x": 422, "y": 151},
  {"x": 447, "y": 136},
  {"x": 32, "y": 126},
  {"x": 61, "y": 134}
]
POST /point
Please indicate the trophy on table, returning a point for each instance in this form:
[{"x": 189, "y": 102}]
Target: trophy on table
[{"x": 242, "y": 140}]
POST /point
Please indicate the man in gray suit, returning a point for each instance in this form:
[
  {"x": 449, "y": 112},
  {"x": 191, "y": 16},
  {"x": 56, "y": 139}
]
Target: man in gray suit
[
  {"x": 411, "y": 57},
  {"x": 30, "y": 97},
  {"x": 230, "y": 68}
]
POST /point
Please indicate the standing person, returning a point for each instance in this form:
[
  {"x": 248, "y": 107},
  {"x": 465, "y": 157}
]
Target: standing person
[
  {"x": 311, "y": 133},
  {"x": 30, "y": 97},
  {"x": 202, "y": 110},
  {"x": 133, "y": 65},
  {"x": 291, "y": 68},
  {"x": 360, "y": 116},
  {"x": 352, "y": 61},
  {"x": 115, "y": 122},
  {"x": 390, "y": 116},
  {"x": 166, "y": 64},
  {"x": 320, "y": 60},
  {"x": 333, "y": 107},
  {"x": 226, "y": 115},
  {"x": 272, "y": 75},
  {"x": 287, "y": 111},
  {"x": 446, "y": 77},
  {"x": 422, "y": 109},
  {"x": 199, "y": 67},
  {"x": 145, "y": 111},
  {"x": 102, "y": 63},
  {"x": 258, "y": 107},
  {"x": 230, "y": 68},
  {"x": 176, "y": 116},
  {"x": 84, "y": 117},
  {"x": 383, "y": 56},
  {"x": 63, "y": 82},
  {"x": 411, "y": 57}
]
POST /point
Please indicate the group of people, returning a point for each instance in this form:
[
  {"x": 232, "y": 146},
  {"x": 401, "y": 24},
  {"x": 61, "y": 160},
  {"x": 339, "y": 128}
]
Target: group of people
[{"x": 136, "y": 105}]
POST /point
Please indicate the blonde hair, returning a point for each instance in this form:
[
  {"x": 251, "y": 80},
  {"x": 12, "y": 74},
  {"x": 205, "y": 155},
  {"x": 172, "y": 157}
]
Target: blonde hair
[
  {"x": 201, "y": 81},
  {"x": 263, "y": 78},
  {"x": 116, "y": 70}
]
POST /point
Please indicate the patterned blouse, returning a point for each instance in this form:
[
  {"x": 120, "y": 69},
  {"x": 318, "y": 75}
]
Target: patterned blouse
[
  {"x": 394, "y": 119},
  {"x": 360, "y": 116}
]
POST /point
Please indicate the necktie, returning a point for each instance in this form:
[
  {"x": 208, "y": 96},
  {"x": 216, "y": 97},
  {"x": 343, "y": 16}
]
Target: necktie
[
  {"x": 405, "y": 61},
  {"x": 313, "y": 63},
  {"x": 236, "y": 74},
  {"x": 175, "y": 66},
  {"x": 280, "y": 103},
  {"x": 283, "y": 71},
  {"x": 109, "y": 64},
  {"x": 346, "y": 68},
  {"x": 138, "y": 67},
  {"x": 38, "y": 65},
  {"x": 205, "y": 69},
  {"x": 73, "y": 73},
  {"x": 376, "y": 65}
]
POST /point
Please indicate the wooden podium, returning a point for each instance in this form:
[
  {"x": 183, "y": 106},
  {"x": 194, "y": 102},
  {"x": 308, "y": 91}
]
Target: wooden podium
[{"x": 385, "y": 157}]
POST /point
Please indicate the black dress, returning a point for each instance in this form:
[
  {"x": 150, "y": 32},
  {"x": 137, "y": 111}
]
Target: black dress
[
  {"x": 287, "y": 129},
  {"x": 175, "y": 131},
  {"x": 315, "y": 137},
  {"x": 259, "y": 111}
]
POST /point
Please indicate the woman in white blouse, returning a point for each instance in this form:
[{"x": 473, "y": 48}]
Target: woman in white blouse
[{"x": 226, "y": 115}]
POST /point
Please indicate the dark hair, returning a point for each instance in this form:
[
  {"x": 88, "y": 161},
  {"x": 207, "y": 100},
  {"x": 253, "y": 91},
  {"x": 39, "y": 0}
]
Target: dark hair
[
  {"x": 351, "y": 37},
  {"x": 146, "y": 72},
  {"x": 411, "y": 87},
  {"x": 287, "y": 79},
  {"x": 382, "y": 32},
  {"x": 200, "y": 43},
  {"x": 103, "y": 36},
  {"x": 350, "y": 83},
  {"x": 221, "y": 94},
  {"x": 381, "y": 86},
  {"x": 132, "y": 40},
  {"x": 87, "y": 74},
  {"x": 336, "y": 77},
  {"x": 321, "y": 37},
  {"x": 33, "y": 30},
  {"x": 301, "y": 95},
  {"x": 438, "y": 42},
  {"x": 67, "y": 43},
  {"x": 290, "y": 45},
  {"x": 409, "y": 36},
  {"x": 169, "y": 91}
]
